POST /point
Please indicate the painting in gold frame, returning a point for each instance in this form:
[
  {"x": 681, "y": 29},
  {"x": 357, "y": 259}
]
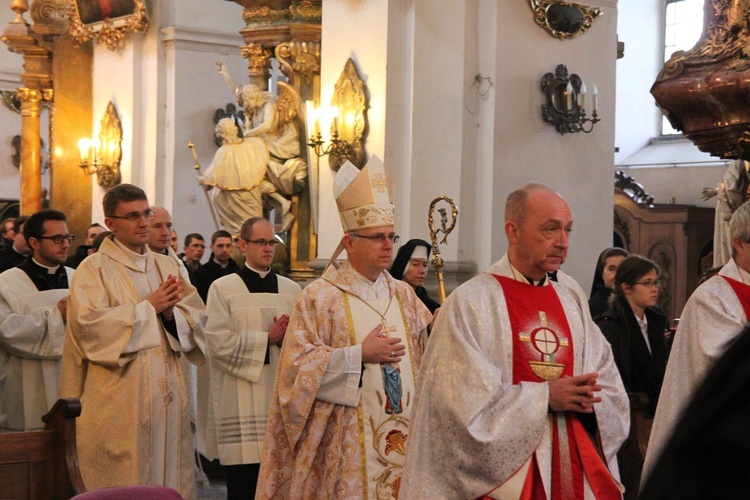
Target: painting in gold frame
[{"x": 106, "y": 21}]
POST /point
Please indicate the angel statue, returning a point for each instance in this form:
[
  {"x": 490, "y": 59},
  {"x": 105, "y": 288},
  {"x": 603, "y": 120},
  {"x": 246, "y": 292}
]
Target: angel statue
[
  {"x": 262, "y": 164},
  {"x": 732, "y": 191}
]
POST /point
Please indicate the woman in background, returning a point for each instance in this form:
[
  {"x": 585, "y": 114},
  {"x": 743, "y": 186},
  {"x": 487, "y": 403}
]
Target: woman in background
[
  {"x": 604, "y": 279},
  {"x": 410, "y": 266},
  {"x": 635, "y": 328}
]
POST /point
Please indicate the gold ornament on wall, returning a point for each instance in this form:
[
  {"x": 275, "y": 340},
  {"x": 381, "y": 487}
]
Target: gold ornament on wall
[
  {"x": 89, "y": 21},
  {"x": 102, "y": 155},
  {"x": 561, "y": 19}
]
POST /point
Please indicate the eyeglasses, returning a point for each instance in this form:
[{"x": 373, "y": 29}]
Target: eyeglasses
[
  {"x": 134, "y": 216},
  {"x": 649, "y": 284},
  {"x": 262, "y": 243},
  {"x": 59, "y": 238},
  {"x": 378, "y": 238}
]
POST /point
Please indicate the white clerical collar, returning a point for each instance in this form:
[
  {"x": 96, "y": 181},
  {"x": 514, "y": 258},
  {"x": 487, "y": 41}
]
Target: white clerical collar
[
  {"x": 262, "y": 274},
  {"x": 744, "y": 275},
  {"x": 362, "y": 280},
  {"x": 223, "y": 266},
  {"x": 139, "y": 259},
  {"x": 518, "y": 276},
  {"x": 50, "y": 270}
]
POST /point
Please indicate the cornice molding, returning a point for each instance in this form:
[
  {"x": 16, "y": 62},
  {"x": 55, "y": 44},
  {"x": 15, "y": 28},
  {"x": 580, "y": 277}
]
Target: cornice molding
[{"x": 179, "y": 38}]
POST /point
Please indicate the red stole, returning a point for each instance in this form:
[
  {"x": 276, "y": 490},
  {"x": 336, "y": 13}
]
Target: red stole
[
  {"x": 743, "y": 294},
  {"x": 543, "y": 350}
]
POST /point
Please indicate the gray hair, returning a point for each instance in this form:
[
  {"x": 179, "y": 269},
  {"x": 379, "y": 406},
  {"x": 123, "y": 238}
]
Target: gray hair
[
  {"x": 739, "y": 224},
  {"x": 515, "y": 204}
]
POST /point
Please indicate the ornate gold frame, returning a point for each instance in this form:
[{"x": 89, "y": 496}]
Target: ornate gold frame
[
  {"x": 350, "y": 99},
  {"x": 542, "y": 17},
  {"x": 110, "y": 32}
]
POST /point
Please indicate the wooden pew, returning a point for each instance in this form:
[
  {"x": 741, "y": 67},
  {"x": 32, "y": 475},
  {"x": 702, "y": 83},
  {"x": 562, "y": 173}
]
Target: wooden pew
[{"x": 41, "y": 465}]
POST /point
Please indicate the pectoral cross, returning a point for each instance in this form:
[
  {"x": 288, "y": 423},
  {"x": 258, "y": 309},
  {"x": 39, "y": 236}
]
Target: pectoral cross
[{"x": 387, "y": 330}]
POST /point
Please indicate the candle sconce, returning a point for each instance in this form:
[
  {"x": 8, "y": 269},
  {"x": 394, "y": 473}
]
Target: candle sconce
[
  {"x": 102, "y": 155},
  {"x": 565, "y": 102},
  {"x": 347, "y": 121}
]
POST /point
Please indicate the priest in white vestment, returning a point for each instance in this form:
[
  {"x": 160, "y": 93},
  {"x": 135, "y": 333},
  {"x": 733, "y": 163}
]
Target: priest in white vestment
[
  {"x": 341, "y": 411},
  {"x": 33, "y": 305},
  {"x": 713, "y": 317},
  {"x": 248, "y": 313},
  {"x": 130, "y": 319},
  {"x": 518, "y": 395}
]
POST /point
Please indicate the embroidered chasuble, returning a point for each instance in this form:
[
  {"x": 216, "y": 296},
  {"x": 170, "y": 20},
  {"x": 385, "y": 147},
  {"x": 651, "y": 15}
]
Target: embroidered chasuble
[
  {"x": 714, "y": 315},
  {"x": 327, "y": 436},
  {"x": 122, "y": 363},
  {"x": 483, "y": 409},
  {"x": 31, "y": 343},
  {"x": 241, "y": 308}
]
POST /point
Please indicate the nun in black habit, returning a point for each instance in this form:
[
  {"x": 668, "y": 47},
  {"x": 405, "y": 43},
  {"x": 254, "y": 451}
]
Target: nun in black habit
[{"x": 410, "y": 266}]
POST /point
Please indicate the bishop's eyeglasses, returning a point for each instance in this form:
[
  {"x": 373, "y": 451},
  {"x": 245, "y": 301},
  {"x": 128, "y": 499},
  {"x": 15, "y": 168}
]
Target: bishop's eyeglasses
[{"x": 378, "y": 238}]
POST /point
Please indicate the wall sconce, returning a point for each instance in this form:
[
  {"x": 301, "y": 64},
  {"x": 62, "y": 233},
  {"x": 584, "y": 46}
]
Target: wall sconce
[
  {"x": 347, "y": 121},
  {"x": 565, "y": 106},
  {"x": 101, "y": 155}
]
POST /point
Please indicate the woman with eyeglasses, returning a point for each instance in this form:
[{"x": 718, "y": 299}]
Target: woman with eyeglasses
[{"x": 635, "y": 328}]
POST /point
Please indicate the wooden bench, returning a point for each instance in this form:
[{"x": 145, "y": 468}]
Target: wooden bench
[{"x": 41, "y": 465}]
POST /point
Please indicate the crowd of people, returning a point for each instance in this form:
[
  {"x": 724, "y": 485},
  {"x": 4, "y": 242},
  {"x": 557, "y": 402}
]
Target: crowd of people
[{"x": 336, "y": 390}]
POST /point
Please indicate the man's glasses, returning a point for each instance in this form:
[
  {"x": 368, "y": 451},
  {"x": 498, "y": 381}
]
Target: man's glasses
[
  {"x": 378, "y": 238},
  {"x": 134, "y": 216},
  {"x": 262, "y": 243},
  {"x": 59, "y": 238},
  {"x": 649, "y": 284}
]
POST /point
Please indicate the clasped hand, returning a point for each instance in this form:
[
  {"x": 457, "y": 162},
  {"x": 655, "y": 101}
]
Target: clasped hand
[
  {"x": 167, "y": 295},
  {"x": 574, "y": 393},
  {"x": 379, "y": 349},
  {"x": 278, "y": 329}
]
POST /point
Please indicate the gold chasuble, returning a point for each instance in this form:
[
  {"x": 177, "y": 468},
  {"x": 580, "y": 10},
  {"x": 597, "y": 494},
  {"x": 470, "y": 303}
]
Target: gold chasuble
[{"x": 387, "y": 396}]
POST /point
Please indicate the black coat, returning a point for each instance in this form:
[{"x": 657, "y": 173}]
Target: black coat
[{"x": 641, "y": 370}]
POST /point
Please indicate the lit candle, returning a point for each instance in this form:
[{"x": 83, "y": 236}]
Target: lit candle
[
  {"x": 596, "y": 98},
  {"x": 569, "y": 94},
  {"x": 335, "y": 112},
  {"x": 83, "y": 147},
  {"x": 95, "y": 147},
  {"x": 317, "y": 124}
]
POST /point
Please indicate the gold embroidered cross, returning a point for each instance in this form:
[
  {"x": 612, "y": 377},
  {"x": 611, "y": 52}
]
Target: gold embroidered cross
[{"x": 379, "y": 183}]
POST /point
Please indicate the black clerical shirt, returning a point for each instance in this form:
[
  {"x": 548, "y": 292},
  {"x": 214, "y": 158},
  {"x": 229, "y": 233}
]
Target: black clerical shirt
[{"x": 40, "y": 276}]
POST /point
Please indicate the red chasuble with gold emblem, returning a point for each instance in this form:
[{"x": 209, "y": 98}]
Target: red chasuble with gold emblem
[{"x": 543, "y": 351}]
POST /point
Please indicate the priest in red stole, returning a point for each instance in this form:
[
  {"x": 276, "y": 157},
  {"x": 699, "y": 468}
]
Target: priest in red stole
[
  {"x": 713, "y": 318},
  {"x": 518, "y": 395}
]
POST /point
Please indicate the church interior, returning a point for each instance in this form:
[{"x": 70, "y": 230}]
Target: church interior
[{"x": 466, "y": 100}]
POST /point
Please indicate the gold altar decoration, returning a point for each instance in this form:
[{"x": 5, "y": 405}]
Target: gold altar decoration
[
  {"x": 445, "y": 228},
  {"x": 88, "y": 23},
  {"x": 101, "y": 156},
  {"x": 561, "y": 19},
  {"x": 290, "y": 32}
]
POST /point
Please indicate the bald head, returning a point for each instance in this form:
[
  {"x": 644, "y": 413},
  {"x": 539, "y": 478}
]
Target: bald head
[
  {"x": 161, "y": 230},
  {"x": 537, "y": 223}
]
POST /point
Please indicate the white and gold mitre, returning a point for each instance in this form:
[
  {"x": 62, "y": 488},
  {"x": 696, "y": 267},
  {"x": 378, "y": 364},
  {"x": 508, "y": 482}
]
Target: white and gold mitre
[{"x": 364, "y": 196}]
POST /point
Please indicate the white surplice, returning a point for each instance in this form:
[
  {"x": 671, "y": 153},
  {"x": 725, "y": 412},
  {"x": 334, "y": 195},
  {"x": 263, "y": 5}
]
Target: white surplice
[
  {"x": 241, "y": 383},
  {"x": 31, "y": 343},
  {"x": 473, "y": 429},
  {"x": 712, "y": 319}
]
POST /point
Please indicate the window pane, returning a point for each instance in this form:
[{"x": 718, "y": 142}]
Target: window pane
[{"x": 682, "y": 29}]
